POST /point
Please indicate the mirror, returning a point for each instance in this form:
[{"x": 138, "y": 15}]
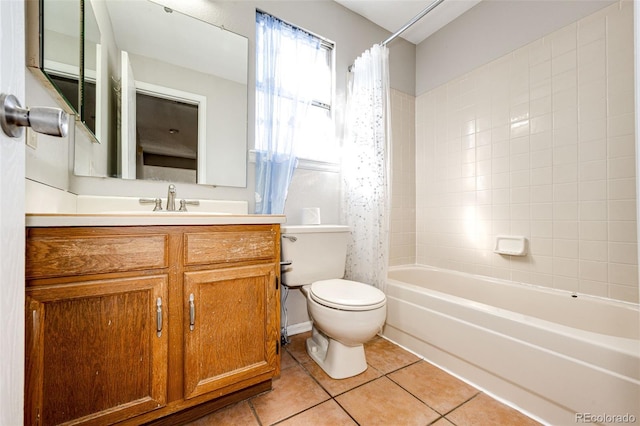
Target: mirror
[
  {"x": 170, "y": 92},
  {"x": 60, "y": 44},
  {"x": 90, "y": 91},
  {"x": 64, "y": 66}
]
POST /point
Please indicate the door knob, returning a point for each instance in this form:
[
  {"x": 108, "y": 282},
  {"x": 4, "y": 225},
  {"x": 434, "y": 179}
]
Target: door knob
[{"x": 50, "y": 121}]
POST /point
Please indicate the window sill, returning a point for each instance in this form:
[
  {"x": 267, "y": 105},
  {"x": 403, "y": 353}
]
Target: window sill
[{"x": 307, "y": 164}]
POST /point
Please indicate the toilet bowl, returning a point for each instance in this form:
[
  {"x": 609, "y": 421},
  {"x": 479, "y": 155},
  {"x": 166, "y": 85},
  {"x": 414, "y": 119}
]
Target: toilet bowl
[{"x": 344, "y": 314}]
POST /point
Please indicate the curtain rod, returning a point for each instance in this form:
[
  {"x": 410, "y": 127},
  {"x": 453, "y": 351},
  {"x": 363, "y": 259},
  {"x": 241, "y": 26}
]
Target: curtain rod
[{"x": 413, "y": 21}]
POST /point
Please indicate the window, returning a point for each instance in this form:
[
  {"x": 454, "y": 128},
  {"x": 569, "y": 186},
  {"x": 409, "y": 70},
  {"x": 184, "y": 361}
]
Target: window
[{"x": 315, "y": 134}]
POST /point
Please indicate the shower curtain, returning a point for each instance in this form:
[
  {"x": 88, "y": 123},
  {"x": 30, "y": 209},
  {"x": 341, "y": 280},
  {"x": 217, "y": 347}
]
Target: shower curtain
[{"x": 366, "y": 178}]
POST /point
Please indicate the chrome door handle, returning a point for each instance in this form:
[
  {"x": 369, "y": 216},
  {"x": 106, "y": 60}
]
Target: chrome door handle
[
  {"x": 49, "y": 121},
  {"x": 192, "y": 312},
  {"x": 159, "y": 317}
]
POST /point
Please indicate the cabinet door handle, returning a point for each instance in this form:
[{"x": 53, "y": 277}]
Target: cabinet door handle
[
  {"x": 192, "y": 312},
  {"x": 159, "y": 316}
]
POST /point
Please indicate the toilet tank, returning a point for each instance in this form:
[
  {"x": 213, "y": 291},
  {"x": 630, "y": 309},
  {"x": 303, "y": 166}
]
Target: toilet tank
[{"x": 316, "y": 252}]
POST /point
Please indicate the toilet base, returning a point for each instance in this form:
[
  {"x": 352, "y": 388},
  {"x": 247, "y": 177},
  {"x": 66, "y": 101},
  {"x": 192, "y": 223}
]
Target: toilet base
[{"x": 336, "y": 359}]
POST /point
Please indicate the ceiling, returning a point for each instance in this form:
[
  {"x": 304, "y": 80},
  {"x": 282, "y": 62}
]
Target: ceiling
[{"x": 393, "y": 14}]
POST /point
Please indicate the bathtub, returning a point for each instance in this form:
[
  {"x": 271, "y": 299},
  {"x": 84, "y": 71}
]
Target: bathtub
[{"x": 559, "y": 357}]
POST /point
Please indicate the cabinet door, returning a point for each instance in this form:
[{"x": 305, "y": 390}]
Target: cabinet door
[
  {"x": 231, "y": 334},
  {"x": 94, "y": 352}
]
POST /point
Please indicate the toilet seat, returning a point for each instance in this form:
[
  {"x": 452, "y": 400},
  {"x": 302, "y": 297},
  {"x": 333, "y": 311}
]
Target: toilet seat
[{"x": 347, "y": 295}]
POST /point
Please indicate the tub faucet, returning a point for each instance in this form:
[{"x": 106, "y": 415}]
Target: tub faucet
[{"x": 171, "y": 198}]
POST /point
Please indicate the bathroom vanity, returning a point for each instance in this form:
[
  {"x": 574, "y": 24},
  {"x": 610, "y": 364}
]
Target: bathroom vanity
[{"x": 149, "y": 318}]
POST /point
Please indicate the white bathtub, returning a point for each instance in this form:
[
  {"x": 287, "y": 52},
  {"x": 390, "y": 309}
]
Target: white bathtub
[{"x": 559, "y": 358}]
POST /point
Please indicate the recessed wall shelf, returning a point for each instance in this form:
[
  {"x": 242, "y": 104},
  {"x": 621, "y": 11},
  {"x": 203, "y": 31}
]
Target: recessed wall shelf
[{"x": 511, "y": 245}]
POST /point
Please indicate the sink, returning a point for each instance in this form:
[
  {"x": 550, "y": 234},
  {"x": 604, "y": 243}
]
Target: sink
[
  {"x": 163, "y": 213},
  {"x": 94, "y": 204}
]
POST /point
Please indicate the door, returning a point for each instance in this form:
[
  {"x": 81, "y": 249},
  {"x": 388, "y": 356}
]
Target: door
[
  {"x": 231, "y": 335},
  {"x": 12, "y": 166}
]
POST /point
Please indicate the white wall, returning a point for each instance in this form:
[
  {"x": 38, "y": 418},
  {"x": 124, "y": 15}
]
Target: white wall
[
  {"x": 539, "y": 142},
  {"x": 489, "y": 30},
  {"x": 49, "y": 162}
]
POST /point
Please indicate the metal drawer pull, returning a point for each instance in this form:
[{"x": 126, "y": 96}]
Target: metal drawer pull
[
  {"x": 192, "y": 312},
  {"x": 159, "y": 316}
]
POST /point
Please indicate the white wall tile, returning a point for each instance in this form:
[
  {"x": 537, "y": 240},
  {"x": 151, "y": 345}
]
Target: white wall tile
[
  {"x": 623, "y": 253},
  {"x": 539, "y": 142},
  {"x": 622, "y": 231},
  {"x": 594, "y": 250},
  {"x": 596, "y": 288},
  {"x": 563, "y": 40},
  {"x": 593, "y": 210},
  {"x": 620, "y": 273},
  {"x": 594, "y": 230},
  {"x": 592, "y": 150},
  {"x": 591, "y": 28},
  {"x": 565, "y": 248},
  {"x": 622, "y": 210}
]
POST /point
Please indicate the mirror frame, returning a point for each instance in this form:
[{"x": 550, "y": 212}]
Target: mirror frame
[{"x": 34, "y": 25}]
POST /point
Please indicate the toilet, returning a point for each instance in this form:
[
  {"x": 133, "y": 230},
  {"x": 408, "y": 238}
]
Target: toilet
[{"x": 345, "y": 314}]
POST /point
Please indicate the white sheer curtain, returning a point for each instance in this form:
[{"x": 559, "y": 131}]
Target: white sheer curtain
[
  {"x": 366, "y": 179},
  {"x": 283, "y": 53}
]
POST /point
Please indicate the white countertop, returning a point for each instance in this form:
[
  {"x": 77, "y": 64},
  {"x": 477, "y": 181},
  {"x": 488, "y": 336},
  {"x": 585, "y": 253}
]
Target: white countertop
[{"x": 148, "y": 219}]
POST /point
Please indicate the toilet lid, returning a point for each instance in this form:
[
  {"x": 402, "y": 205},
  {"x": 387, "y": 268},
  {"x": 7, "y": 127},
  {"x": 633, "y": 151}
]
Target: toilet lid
[{"x": 347, "y": 295}]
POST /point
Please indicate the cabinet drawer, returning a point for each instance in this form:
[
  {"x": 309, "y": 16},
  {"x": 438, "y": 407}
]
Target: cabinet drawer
[
  {"x": 223, "y": 247},
  {"x": 67, "y": 256}
]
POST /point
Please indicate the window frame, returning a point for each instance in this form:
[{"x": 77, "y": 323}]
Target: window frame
[{"x": 330, "y": 47}]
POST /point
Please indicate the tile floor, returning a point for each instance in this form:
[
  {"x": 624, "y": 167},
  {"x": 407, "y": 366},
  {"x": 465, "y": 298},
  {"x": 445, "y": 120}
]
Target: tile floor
[{"x": 398, "y": 388}]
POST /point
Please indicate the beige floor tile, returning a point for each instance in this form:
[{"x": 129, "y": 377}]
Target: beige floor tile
[
  {"x": 328, "y": 413},
  {"x": 382, "y": 402},
  {"x": 336, "y": 387},
  {"x": 234, "y": 415},
  {"x": 297, "y": 347},
  {"x": 442, "y": 422},
  {"x": 293, "y": 392},
  {"x": 436, "y": 388},
  {"x": 408, "y": 395},
  {"x": 286, "y": 361},
  {"x": 483, "y": 410},
  {"x": 386, "y": 357}
]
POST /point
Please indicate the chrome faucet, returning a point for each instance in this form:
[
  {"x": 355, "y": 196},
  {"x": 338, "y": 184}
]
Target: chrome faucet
[{"x": 171, "y": 198}]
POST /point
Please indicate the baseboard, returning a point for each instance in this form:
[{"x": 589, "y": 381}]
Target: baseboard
[{"x": 298, "y": 328}]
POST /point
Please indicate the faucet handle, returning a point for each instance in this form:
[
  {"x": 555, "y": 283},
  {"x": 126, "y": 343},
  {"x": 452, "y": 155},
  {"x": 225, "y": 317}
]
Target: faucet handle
[
  {"x": 183, "y": 204},
  {"x": 156, "y": 201}
]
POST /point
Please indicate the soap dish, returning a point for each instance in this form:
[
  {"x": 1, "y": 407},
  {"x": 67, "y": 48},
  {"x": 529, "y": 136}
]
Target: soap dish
[{"x": 511, "y": 245}]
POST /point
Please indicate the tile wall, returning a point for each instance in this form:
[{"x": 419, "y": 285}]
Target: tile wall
[
  {"x": 538, "y": 143},
  {"x": 403, "y": 206}
]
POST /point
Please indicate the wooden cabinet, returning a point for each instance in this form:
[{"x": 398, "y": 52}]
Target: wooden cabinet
[
  {"x": 228, "y": 314},
  {"x": 134, "y": 324},
  {"x": 93, "y": 351}
]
